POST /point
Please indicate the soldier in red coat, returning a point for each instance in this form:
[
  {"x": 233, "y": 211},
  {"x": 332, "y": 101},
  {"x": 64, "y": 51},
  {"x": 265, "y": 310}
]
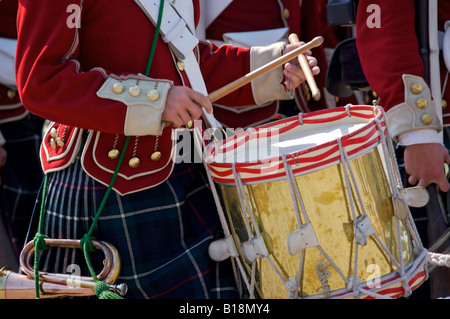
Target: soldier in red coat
[
  {"x": 416, "y": 106},
  {"x": 93, "y": 68}
]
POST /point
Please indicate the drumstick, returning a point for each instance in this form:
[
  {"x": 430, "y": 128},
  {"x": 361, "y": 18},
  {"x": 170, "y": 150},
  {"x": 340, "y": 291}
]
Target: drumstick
[
  {"x": 218, "y": 94},
  {"x": 315, "y": 92}
]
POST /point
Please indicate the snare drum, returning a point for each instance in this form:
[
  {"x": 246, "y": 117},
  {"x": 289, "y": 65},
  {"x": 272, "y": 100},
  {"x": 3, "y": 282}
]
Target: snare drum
[{"x": 314, "y": 207}]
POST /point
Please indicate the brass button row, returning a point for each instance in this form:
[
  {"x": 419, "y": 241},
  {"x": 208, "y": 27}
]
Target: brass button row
[
  {"x": 134, "y": 162},
  {"x": 421, "y": 103},
  {"x": 135, "y": 91},
  {"x": 55, "y": 140}
]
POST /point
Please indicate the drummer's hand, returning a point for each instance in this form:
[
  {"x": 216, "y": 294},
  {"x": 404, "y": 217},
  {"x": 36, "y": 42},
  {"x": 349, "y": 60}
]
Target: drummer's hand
[
  {"x": 183, "y": 105},
  {"x": 292, "y": 71},
  {"x": 425, "y": 165}
]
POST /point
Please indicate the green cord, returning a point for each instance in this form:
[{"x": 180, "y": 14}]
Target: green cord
[
  {"x": 39, "y": 239},
  {"x": 101, "y": 289},
  {"x": 155, "y": 38}
]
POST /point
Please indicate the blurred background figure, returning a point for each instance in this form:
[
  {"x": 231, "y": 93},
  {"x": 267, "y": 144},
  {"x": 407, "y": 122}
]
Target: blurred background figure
[
  {"x": 403, "y": 52},
  {"x": 20, "y": 137}
]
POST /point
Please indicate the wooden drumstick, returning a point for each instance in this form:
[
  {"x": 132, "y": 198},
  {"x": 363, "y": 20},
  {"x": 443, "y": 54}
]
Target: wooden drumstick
[
  {"x": 231, "y": 87},
  {"x": 216, "y": 95},
  {"x": 315, "y": 92}
]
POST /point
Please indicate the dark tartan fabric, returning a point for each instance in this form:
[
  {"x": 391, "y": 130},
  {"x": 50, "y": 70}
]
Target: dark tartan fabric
[
  {"x": 162, "y": 234},
  {"x": 21, "y": 176}
]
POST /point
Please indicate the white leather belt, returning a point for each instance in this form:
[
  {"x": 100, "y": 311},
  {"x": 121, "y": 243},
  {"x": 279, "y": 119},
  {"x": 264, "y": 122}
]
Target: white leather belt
[{"x": 175, "y": 32}]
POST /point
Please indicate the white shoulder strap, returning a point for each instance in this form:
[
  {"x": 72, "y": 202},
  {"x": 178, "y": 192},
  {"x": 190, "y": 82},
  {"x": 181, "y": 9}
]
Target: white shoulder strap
[
  {"x": 213, "y": 8},
  {"x": 174, "y": 29},
  {"x": 176, "y": 33}
]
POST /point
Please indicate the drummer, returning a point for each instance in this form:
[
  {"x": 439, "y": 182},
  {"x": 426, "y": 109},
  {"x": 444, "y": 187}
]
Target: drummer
[
  {"x": 89, "y": 69},
  {"x": 252, "y": 22},
  {"x": 407, "y": 97}
]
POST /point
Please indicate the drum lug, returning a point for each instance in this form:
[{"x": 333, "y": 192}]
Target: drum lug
[
  {"x": 353, "y": 283},
  {"x": 409, "y": 197},
  {"x": 254, "y": 248},
  {"x": 364, "y": 229},
  {"x": 401, "y": 209},
  {"x": 415, "y": 196},
  {"x": 221, "y": 249},
  {"x": 300, "y": 239}
]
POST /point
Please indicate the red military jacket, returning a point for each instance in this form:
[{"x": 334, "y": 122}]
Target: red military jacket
[
  {"x": 63, "y": 62},
  {"x": 11, "y": 108},
  {"x": 390, "y": 51}
]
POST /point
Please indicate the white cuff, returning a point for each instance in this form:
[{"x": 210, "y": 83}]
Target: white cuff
[
  {"x": 423, "y": 136},
  {"x": 418, "y": 112},
  {"x": 145, "y": 99},
  {"x": 268, "y": 87}
]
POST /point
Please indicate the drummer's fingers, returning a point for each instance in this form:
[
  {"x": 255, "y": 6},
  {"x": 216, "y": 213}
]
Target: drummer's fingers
[
  {"x": 447, "y": 157},
  {"x": 194, "y": 111},
  {"x": 423, "y": 181},
  {"x": 313, "y": 65},
  {"x": 413, "y": 179},
  {"x": 202, "y": 101},
  {"x": 443, "y": 184},
  {"x": 294, "y": 76}
]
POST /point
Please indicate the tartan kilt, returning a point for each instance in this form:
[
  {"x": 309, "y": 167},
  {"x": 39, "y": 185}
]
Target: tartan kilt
[{"x": 162, "y": 234}]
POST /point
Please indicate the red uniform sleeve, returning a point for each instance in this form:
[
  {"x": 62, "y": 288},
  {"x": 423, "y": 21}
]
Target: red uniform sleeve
[
  {"x": 60, "y": 68},
  {"x": 388, "y": 52},
  {"x": 219, "y": 69},
  {"x": 49, "y": 76}
]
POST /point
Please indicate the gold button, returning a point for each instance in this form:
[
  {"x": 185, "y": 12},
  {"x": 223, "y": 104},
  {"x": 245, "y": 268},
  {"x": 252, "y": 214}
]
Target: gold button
[
  {"x": 52, "y": 143},
  {"x": 180, "y": 65},
  {"x": 307, "y": 93},
  {"x": 444, "y": 104},
  {"x": 113, "y": 154},
  {"x": 117, "y": 87},
  {"x": 156, "y": 156},
  {"x": 286, "y": 14},
  {"x": 416, "y": 88},
  {"x": 60, "y": 142},
  {"x": 134, "y": 162},
  {"x": 426, "y": 119},
  {"x": 134, "y": 90},
  {"x": 11, "y": 94},
  {"x": 421, "y": 103},
  {"x": 153, "y": 95},
  {"x": 53, "y": 132}
]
